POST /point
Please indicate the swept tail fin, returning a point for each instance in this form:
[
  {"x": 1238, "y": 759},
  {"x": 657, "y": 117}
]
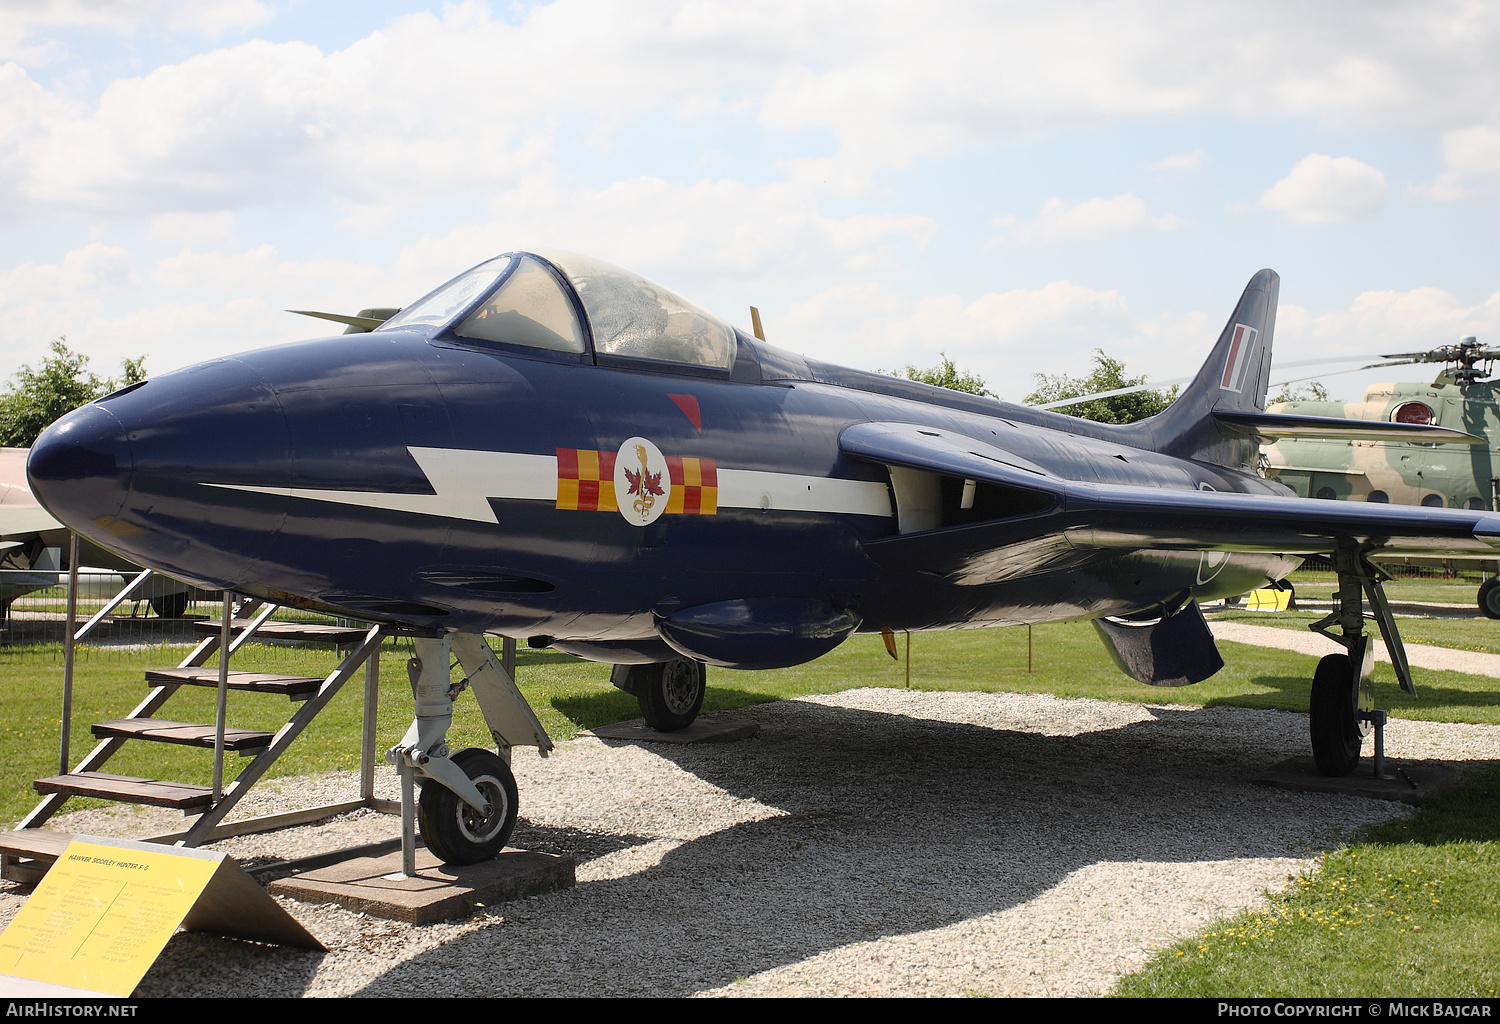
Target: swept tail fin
[{"x": 1233, "y": 379}]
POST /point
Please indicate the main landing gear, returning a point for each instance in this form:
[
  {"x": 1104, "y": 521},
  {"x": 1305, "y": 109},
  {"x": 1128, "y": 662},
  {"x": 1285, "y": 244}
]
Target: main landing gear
[
  {"x": 670, "y": 694},
  {"x": 1342, "y": 710},
  {"x": 1489, "y": 597},
  {"x": 469, "y": 800}
]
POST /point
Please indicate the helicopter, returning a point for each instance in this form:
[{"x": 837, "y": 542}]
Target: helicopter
[{"x": 1462, "y": 397}]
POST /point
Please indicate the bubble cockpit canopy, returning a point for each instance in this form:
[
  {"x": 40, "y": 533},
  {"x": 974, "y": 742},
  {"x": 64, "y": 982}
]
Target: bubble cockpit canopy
[{"x": 534, "y": 300}]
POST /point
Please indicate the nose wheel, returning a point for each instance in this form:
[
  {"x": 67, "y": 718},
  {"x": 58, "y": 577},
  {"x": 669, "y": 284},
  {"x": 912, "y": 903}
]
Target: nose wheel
[{"x": 458, "y": 833}]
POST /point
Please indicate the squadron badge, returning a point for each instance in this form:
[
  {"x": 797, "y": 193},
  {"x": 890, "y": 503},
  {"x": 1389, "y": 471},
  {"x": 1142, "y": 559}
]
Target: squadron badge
[{"x": 642, "y": 484}]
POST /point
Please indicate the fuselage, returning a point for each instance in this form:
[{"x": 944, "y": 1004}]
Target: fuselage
[
  {"x": 552, "y": 447},
  {"x": 413, "y": 479}
]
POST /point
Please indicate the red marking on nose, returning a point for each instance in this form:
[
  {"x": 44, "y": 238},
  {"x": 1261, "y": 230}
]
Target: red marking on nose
[{"x": 689, "y": 406}]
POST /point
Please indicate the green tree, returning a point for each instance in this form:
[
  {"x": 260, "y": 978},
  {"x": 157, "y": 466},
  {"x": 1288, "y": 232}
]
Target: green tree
[
  {"x": 1108, "y": 375},
  {"x": 35, "y": 398},
  {"x": 944, "y": 375},
  {"x": 1314, "y": 392}
]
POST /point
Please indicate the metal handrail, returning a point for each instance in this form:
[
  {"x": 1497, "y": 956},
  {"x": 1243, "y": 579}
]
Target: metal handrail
[{"x": 114, "y": 603}]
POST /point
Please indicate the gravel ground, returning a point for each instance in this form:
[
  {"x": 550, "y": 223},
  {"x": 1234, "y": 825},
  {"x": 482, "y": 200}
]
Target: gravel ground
[{"x": 872, "y": 842}]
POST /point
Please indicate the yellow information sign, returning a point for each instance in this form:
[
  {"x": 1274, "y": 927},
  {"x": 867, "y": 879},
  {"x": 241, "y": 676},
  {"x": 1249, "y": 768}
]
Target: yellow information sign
[
  {"x": 102, "y": 914},
  {"x": 1268, "y": 599}
]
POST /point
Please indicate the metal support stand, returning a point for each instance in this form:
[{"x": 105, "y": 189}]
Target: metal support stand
[
  {"x": 1377, "y": 718},
  {"x": 408, "y": 821},
  {"x": 69, "y": 639},
  {"x": 221, "y": 703},
  {"x": 368, "y": 731}
]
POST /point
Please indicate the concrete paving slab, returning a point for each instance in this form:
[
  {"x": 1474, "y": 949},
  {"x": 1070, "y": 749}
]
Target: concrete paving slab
[
  {"x": 1407, "y": 782},
  {"x": 438, "y": 892},
  {"x": 702, "y": 731}
]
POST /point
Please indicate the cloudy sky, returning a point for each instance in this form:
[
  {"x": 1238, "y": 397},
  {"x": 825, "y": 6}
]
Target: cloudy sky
[{"x": 1013, "y": 183}]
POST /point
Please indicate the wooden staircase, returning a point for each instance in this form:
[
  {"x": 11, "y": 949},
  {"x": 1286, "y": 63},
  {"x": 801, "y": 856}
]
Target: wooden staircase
[{"x": 27, "y": 851}]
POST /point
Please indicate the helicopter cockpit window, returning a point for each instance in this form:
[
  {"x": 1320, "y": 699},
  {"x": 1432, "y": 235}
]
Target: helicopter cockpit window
[
  {"x": 448, "y": 300},
  {"x": 630, "y": 316},
  {"x": 1413, "y": 412},
  {"x": 529, "y": 309}
]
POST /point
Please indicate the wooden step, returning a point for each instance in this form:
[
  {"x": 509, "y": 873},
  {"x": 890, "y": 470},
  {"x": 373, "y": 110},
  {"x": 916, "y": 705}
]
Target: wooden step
[
  {"x": 37, "y": 843},
  {"x": 307, "y": 632},
  {"x": 162, "y": 731},
  {"x": 128, "y": 789},
  {"x": 294, "y": 687},
  {"x": 30, "y": 852}
]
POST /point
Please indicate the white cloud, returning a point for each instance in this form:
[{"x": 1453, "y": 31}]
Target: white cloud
[
  {"x": 89, "y": 269},
  {"x": 1181, "y": 162},
  {"x": 1325, "y": 190},
  {"x": 693, "y": 231},
  {"x": 172, "y": 334},
  {"x": 260, "y": 271},
  {"x": 433, "y": 105},
  {"x": 1472, "y": 159},
  {"x": 40, "y": 301},
  {"x": 1003, "y": 336},
  {"x": 192, "y": 227},
  {"x": 1092, "y": 218},
  {"x": 1389, "y": 321}
]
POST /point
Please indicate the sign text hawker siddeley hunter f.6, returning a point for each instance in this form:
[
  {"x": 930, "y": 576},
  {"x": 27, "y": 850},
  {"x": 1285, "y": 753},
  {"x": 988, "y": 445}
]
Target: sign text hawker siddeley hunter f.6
[{"x": 551, "y": 448}]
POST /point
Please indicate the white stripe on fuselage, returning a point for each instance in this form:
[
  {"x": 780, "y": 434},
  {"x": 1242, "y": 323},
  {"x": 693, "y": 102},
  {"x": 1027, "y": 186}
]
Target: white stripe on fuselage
[{"x": 465, "y": 481}]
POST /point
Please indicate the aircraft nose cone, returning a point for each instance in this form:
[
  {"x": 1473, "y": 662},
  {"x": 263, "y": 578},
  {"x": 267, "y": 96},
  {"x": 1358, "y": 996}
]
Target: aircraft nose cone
[{"x": 80, "y": 468}]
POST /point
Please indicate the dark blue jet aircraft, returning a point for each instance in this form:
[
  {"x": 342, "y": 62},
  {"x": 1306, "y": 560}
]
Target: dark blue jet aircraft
[{"x": 551, "y": 448}]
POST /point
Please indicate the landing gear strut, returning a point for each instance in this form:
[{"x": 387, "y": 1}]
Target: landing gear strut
[
  {"x": 469, "y": 800},
  {"x": 1342, "y": 711}
]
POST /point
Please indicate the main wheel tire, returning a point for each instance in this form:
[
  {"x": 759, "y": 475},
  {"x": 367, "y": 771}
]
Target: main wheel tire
[
  {"x": 1291, "y": 593},
  {"x": 456, "y": 832},
  {"x": 170, "y": 606},
  {"x": 671, "y": 695},
  {"x": 1333, "y": 716},
  {"x": 1489, "y": 597}
]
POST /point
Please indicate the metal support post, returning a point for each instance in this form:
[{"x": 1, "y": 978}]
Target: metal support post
[
  {"x": 408, "y": 820},
  {"x": 220, "y": 708},
  {"x": 368, "y": 730},
  {"x": 68, "y": 641},
  {"x": 1378, "y": 719}
]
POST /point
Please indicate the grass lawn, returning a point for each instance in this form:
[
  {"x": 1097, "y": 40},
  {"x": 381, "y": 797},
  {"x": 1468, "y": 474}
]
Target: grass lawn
[{"x": 1411, "y": 910}]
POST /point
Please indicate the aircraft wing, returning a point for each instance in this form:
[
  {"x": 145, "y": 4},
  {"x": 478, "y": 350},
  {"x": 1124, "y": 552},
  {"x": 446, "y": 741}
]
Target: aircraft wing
[
  {"x": 1076, "y": 517},
  {"x": 22, "y": 519}
]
